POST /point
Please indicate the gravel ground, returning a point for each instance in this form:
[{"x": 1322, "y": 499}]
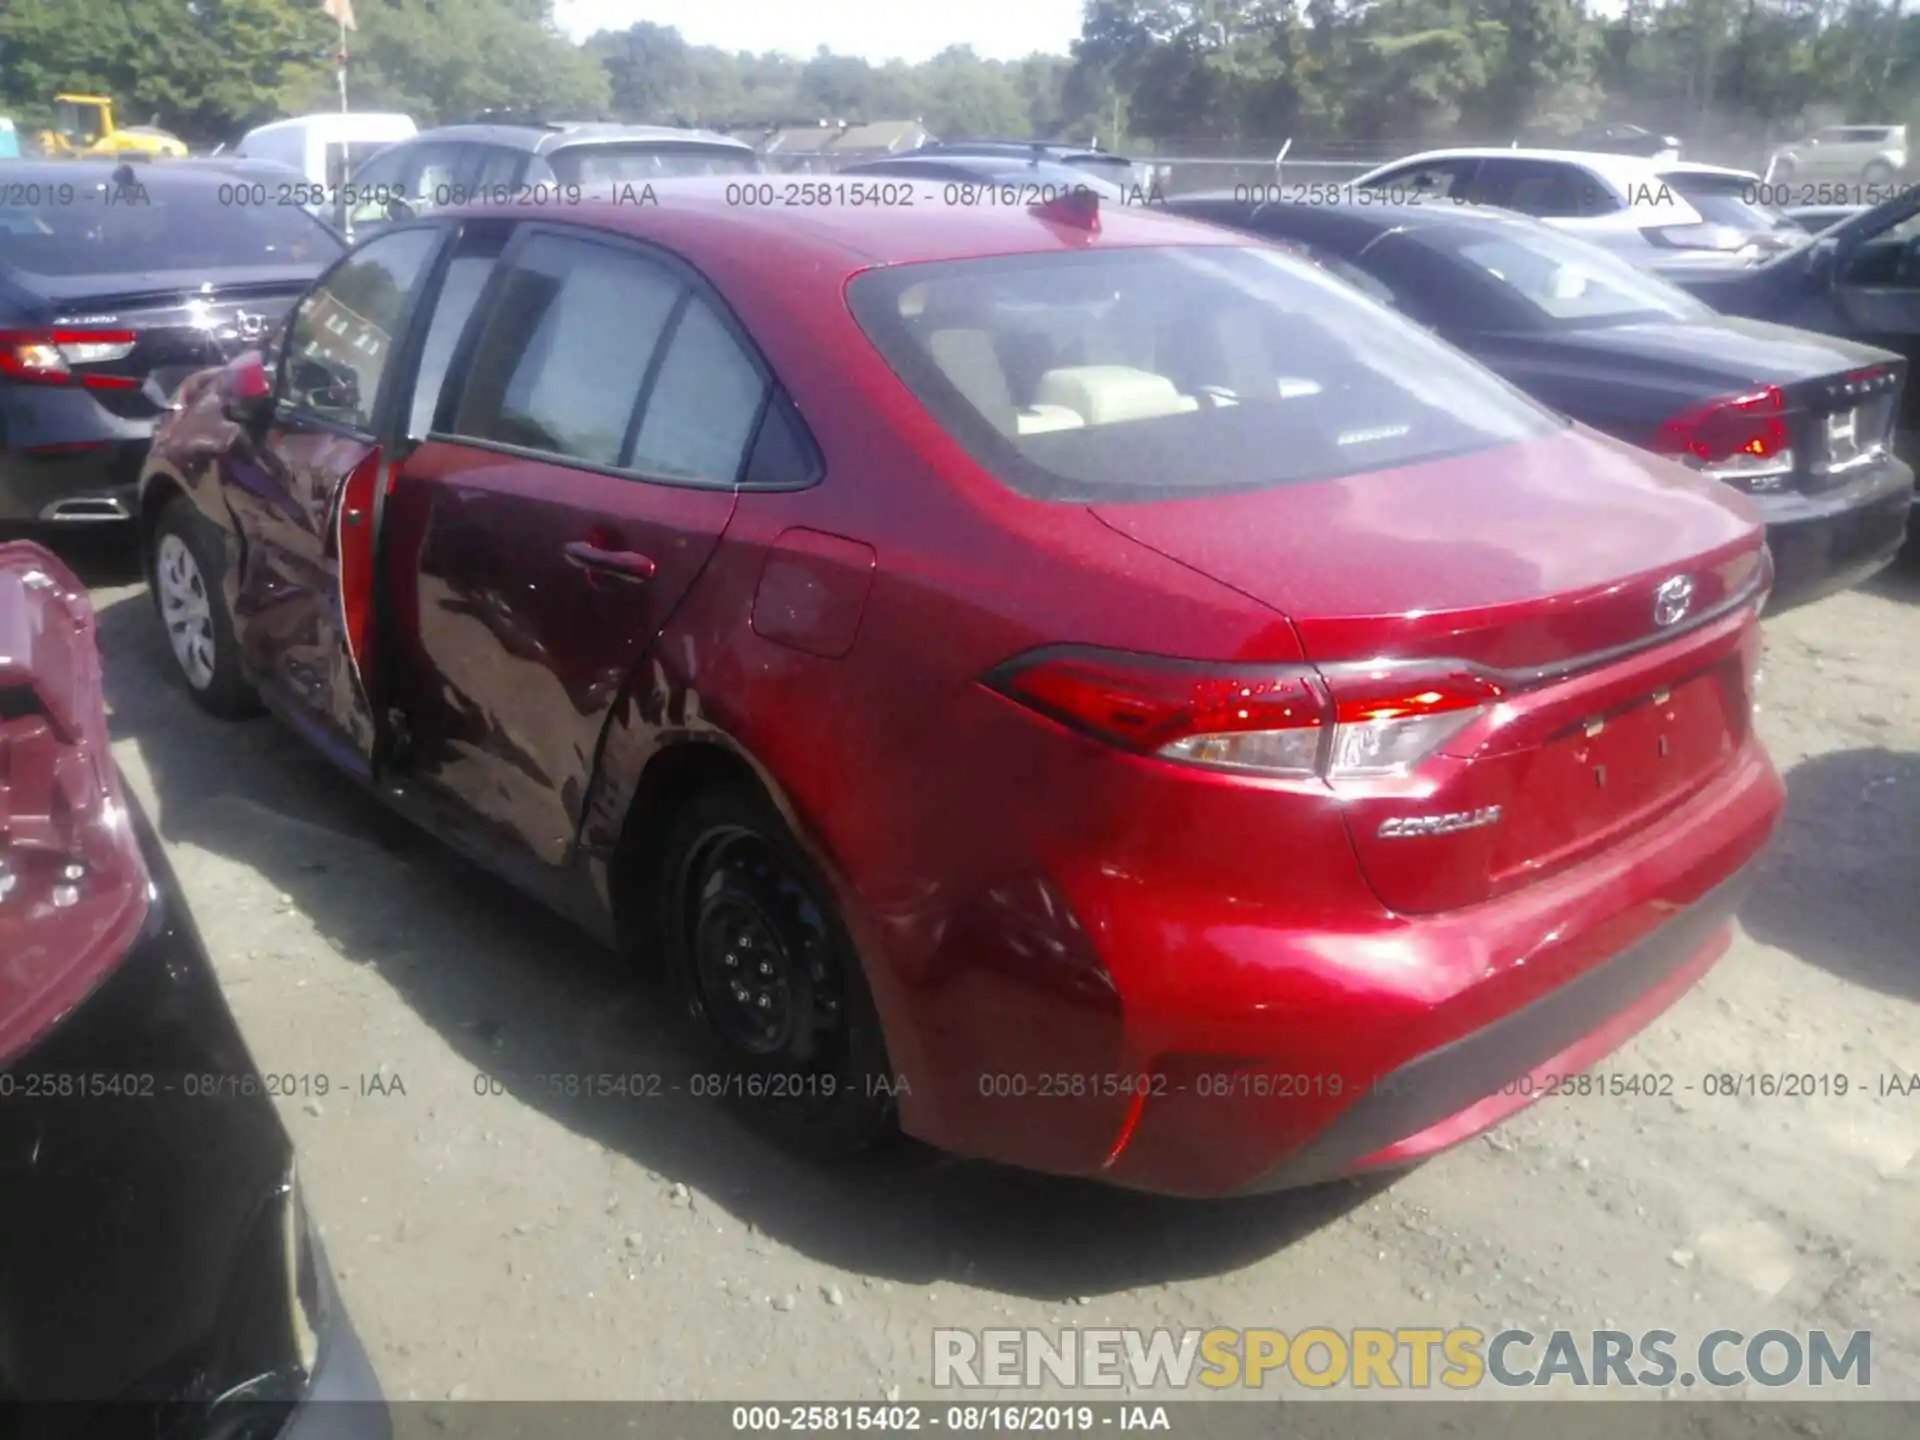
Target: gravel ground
[{"x": 517, "y": 1246}]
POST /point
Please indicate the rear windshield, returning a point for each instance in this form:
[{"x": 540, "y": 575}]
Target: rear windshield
[
  {"x": 594, "y": 166},
  {"x": 1145, "y": 373},
  {"x": 1565, "y": 283},
  {"x": 1727, "y": 200},
  {"x": 94, "y": 227}
]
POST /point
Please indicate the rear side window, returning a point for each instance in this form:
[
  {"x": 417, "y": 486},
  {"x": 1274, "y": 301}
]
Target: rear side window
[
  {"x": 567, "y": 349},
  {"x": 1158, "y": 372},
  {"x": 703, "y": 404},
  {"x": 1725, "y": 200},
  {"x": 61, "y": 227}
]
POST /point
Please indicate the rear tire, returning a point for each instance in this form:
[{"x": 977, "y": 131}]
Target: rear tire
[
  {"x": 762, "y": 965},
  {"x": 1878, "y": 173},
  {"x": 188, "y": 595}
]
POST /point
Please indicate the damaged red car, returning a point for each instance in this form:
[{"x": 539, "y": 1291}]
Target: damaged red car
[{"x": 1086, "y": 689}]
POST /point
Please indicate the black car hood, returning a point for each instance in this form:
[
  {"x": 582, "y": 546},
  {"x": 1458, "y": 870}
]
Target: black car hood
[{"x": 1721, "y": 350}]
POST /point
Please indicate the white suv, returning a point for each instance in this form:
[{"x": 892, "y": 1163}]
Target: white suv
[
  {"x": 1663, "y": 213},
  {"x": 1872, "y": 154}
]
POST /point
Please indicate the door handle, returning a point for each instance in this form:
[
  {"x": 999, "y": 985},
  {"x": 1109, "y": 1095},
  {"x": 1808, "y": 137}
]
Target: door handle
[{"x": 626, "y": 564}]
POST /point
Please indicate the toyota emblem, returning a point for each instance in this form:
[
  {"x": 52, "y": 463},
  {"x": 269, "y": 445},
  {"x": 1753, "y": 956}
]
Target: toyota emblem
[
  {"x": 1672, "y": 600},
  {"x": 250, "y": 326}
]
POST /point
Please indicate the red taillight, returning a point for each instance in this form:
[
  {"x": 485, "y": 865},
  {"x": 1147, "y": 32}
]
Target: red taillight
[
  {"x": 1273, "y": 720},
  {"x": 47, "y": 357},
  {"x": 1741, "y": 437},
  {"x": 1389, "y": 717}
]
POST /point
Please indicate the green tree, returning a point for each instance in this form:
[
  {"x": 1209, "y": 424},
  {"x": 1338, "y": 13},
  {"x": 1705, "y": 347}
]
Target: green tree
[
  {"x": 440, "y": 64},
  {"x": 204, "y": 69}
]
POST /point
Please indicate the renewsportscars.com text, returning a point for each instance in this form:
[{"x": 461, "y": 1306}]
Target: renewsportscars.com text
[{"x": 1461, "y": 1358}]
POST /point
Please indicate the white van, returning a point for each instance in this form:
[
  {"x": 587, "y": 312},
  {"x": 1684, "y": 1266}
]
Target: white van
[{"x": 326, "y": 148}]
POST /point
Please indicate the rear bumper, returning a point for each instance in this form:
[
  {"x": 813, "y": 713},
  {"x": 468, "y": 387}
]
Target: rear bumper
[
  {"x": 1825, "y": 543},
  {"x": 70, "y": 487},
  {"x": 1458, "y": 1090},
  {"x": 61, "y": 448},
  {"x": 1446, "y": 1023}
]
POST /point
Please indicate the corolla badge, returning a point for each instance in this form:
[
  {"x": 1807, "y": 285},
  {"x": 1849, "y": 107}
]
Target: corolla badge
[
  {"x": 1405, "y": 827},
  {"x": 1672, "y": 600}
]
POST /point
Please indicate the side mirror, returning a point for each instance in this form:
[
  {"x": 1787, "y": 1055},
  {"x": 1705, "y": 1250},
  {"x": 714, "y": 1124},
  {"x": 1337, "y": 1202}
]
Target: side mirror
[{"x": 246, "y": 394}]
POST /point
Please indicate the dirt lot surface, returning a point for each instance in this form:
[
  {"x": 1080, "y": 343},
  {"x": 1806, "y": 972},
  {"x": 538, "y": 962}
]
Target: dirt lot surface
[{"x": 519, "y": 1246}]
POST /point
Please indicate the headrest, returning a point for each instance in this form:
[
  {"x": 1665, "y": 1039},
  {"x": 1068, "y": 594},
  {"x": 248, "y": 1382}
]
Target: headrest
[{"x": 1106, "y": 394}]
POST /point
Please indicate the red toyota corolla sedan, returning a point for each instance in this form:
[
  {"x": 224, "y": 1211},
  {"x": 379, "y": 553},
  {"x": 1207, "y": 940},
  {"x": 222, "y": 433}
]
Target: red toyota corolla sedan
[{"x": 1087, "y": 689}]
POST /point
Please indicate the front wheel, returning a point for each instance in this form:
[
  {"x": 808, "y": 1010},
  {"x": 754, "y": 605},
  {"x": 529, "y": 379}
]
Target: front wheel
[
  {"x": 186, "y": 570},
  {"x": 768, "y": 975}
]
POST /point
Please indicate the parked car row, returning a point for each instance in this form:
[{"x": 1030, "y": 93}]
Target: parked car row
[
  {"x": 1665, "y": 215},
  {"x": 1802, "y": 423}
]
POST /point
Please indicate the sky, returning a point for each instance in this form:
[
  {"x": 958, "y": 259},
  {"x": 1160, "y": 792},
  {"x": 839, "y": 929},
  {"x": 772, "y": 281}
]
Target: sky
[{"x": 875, "y": 30}]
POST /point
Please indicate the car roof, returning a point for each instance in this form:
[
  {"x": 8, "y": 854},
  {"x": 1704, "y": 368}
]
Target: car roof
[
  {"x": 1623, "y": 169},
  {"x": 696, "y": 216},
  {"x": 545, "y": 139}
]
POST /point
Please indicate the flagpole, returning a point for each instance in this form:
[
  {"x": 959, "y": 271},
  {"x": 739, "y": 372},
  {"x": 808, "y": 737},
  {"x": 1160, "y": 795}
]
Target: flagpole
[{"x": 343, "y": 62}]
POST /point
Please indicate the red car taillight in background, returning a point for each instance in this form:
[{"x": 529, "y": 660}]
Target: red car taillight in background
[
  {"x": 1741, "y": 439},
  {"x": 48, "y": 357},
  {"x": 73, "y": 886},
  {"x": 1349, "y": 723}
]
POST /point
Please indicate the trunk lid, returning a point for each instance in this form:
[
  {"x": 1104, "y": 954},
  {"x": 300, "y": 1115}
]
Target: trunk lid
[
  {"x": 1841, "y": 396},
  {"x": 1543, "y": 565},
  {"x": 178, "y": 332}
]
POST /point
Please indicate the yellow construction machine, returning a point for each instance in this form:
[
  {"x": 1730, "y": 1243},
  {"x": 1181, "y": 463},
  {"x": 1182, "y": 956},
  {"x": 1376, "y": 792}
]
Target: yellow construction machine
[{"x": 83, "y": 125}]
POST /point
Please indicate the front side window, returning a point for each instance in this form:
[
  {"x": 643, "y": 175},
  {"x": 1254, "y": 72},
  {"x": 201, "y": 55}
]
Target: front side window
[
  {"x": 342, "y": 334},
  {"x": 466, "y": 277},
  {"x": 1152, "y": 372},
  {"x": 1432, "y": 180},
  {"x": 1889, "y": 259}
]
